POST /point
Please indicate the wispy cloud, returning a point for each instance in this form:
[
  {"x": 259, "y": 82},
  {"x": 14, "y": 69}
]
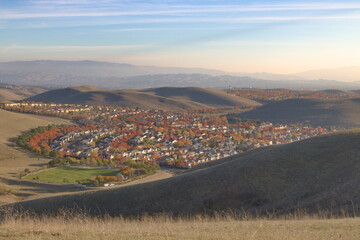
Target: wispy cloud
[
  {"x": 256, "y": 43},
  {"x": 176, "y": 20},
  {"x": 70, "y": 48},
  {"x": 70, "y": 2},
  {"x": 141, "y": 29},
  {"x": 97, "y": 10}
]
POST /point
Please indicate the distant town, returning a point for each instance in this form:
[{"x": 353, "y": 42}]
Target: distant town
[{"x": 272, "y": 95}]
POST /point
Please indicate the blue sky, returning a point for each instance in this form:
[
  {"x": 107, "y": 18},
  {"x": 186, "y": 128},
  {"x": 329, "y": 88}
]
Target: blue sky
[{"x": 238, "y": 36}]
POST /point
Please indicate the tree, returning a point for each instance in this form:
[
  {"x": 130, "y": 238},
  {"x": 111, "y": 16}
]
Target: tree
[
  {"x": 55, "y": 154},
  {"x": 45, "y": 152}
]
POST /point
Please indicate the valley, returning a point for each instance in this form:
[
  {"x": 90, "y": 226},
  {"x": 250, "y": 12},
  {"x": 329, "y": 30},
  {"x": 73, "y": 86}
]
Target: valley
[
  {"x": 179, "y": 120},
  {"x": 284, "y": 177},
  {"x": 106, "y": 159},
  {"x": 133, "y": 140}
]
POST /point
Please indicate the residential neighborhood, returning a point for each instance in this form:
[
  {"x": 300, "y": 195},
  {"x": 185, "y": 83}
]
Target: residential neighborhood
[{"x": 177, "y": 139}]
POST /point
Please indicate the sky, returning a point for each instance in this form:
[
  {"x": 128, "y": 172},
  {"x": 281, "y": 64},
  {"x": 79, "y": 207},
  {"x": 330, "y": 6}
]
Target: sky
[{"x": 235, "y": 36}]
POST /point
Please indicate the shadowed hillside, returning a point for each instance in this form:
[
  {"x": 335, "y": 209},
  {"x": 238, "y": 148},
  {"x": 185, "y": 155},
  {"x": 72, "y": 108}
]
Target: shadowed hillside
[
  {"x": 157, "y": 98},
  {"x": 316, "y": 112},
  {"x": 317, "y": 173}
]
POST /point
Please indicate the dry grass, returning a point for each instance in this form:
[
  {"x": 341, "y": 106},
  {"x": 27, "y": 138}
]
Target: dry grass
[
  {"x": 163, "y": 227},
  {"x": 14, "y": 93}
]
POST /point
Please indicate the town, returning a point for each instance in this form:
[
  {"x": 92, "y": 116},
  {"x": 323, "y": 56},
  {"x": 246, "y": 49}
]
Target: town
[
  {"x": 271, "y": 95},
  {"x": 111, "y": 136}
]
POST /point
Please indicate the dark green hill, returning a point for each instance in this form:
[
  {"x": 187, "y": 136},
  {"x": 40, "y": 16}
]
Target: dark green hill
[{"x": 320, "y": 173}]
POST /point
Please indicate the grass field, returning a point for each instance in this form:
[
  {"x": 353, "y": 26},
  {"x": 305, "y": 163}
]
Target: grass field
[
  {"x": 72, "y": 174},
  {"x": 146, "y": 228}
]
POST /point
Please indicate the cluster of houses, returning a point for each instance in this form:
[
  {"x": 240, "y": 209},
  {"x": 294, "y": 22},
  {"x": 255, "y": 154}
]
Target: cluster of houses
[
  {"x": 171, "y": 138},
  {"x": 51, "y": 108}
]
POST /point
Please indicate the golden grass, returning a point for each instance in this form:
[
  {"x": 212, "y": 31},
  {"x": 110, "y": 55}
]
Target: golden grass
[{"x": 163, "y": 227}]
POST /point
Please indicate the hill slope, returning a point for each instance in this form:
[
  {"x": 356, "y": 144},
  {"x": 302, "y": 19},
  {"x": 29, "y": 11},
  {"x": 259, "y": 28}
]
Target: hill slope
[
  {"x": 10, "y": 92},
  {"x": 157, "y": 98},
  {"x": 343, "y": 113},
  {"x": 12, "y": 159},
  {"x": 317, "y": 173}
]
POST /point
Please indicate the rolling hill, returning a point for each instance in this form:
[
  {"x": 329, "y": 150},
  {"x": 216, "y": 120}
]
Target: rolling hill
[
  {"x": 316, "y": 174},
  {"x": 10, "y": 92},
  {"x": 316, "y": 112},
  {"x": 157, "y": 98},
  {"x": 13, "y": 160}
]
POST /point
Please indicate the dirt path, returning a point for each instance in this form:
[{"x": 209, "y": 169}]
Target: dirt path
[
  {"x": 26, "y": 190},
  {"x": 159, "y": 175}
]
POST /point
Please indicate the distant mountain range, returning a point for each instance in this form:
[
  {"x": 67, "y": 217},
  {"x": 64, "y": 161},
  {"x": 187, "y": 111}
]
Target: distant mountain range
[
  {"x": 166, "y": 98},
  {"x": 348, "y": 74},
  {"x": 125, "y": 76}
]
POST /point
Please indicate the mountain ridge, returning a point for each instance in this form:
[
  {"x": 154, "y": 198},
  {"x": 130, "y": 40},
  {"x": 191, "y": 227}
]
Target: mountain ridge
[{"x": 52, "y": 73}]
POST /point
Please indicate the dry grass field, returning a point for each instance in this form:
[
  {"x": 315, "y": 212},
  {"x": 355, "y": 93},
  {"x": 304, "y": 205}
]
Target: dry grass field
[
  {"x": 12, "y": 158},
  {"x": 146, "y": 228}
]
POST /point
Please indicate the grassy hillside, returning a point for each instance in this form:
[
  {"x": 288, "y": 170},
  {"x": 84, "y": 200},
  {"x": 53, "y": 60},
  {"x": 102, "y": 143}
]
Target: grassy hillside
[
  {"x": 344, "y": 113},
  {"x": 317, "y": 173},
  {"x": 159, "y": 98},
  {"x": 10, "y": 92},
  {"x": 12, "y": 125},
  {"x": 13, "y": 159}
]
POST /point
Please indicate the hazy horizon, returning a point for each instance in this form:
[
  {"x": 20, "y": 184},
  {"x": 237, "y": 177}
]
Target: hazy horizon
[
  {"x": 281, "y": 37},
  {"x": 172, "y": 66}
]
